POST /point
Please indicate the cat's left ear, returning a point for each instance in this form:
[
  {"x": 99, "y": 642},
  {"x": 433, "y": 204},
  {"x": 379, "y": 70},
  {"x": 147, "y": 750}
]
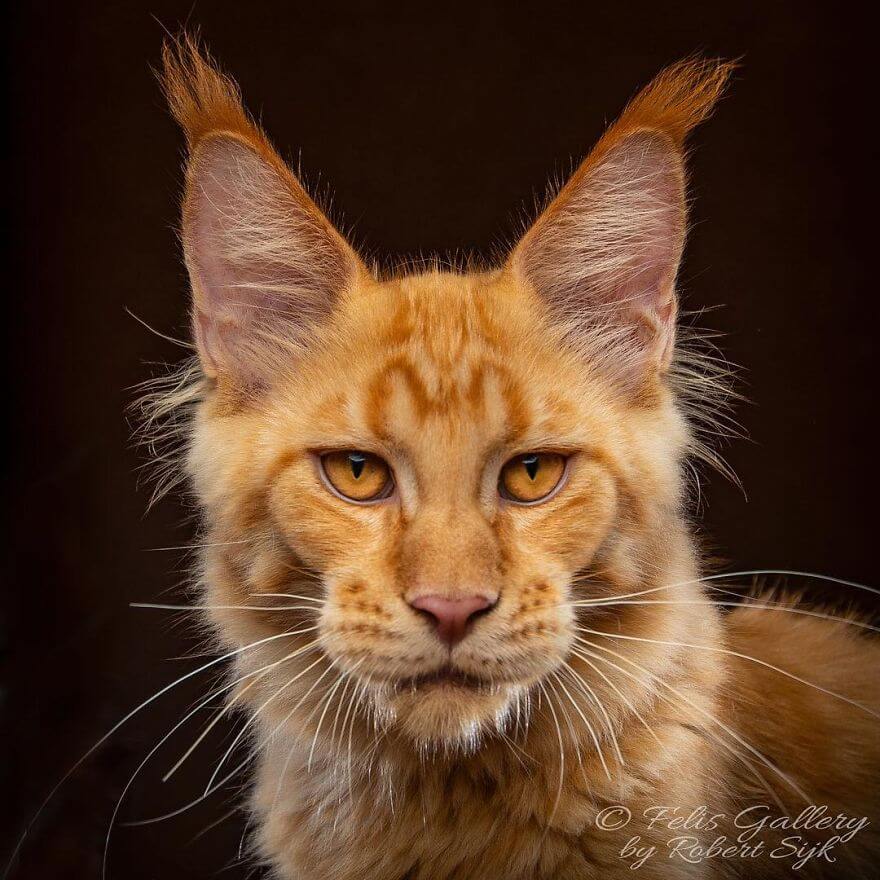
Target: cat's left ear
[
  {"x": 605, "y": 253},
  {"x": 265, "y": 264}
]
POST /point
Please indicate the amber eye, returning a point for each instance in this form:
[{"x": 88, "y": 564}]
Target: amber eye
[
  {"x": 531, "y": 477},
  {"x": 357, "y": 476}
]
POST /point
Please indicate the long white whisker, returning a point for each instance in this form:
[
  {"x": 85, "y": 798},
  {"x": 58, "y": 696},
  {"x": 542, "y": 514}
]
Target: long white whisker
[
  {"x": 782, "y": 572},
  {"x": 589, "y": 692},
  {"x": 120, "y": 724},
  {"x": 339, "y": 706},
  {"x": 584, "y": 654},
  {"x": 195, "y": 546},
  {"x": 561, "y": 759},
  {"x": 256, "y": 715},
  {"x": 281, "y": 776},
  {"x": 328, "y": 703},
  {"x": 743, "y": 604},
  {"x": 291, "y": 596},
  {"x": 624, "y": 699},
  {"x": 202, "y": 797},
  {"x": 158, "y": 745},
  {"x": 354, "y": 703},
  {"x": 515, "y": 749},
  {"x": 197, "y": 608},
  {"x": 728, "y": 730},
  {"x": 262, "y": 674},
  {"x": 590, "y": 729},
  {"x": 732, "y": 653}
]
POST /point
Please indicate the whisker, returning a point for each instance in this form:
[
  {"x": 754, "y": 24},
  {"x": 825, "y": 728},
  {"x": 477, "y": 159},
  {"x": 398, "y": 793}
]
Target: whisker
[
  {"x": 515, "y": 750},
  {"x": 159, "y": 744},
  {"x": 357, "y": 697},
  {"x": 741, "y": 656},
  {"x": 263, "y": 673},
  {"x": 291, "y": 596},
  {"x": 788, "y": 572},
  {"x": 763, "y": 758},
  {"x": 584, "y": 654},
  {"x": 196, "y": 546},
  {"x": 208, "y": 828},
  {"x": 196, "y": 608},
  {"x": 298, "y": 569},
  {"x": 124, "y": 721},
  {"x": 561, "y": 758},
  {"x": 624, "y": 699},
  {"x": 590, "y": 729},
  {"x": 339, "y": 706},
  {"x": 589, "y": 692},
  {"x": 743, "y": 604},
  {"x": 260, "y": 673},
  {"x": 575, "y": 739},
  {"x": 202, "y": 797},
  {"x": 781, "y": 572},
  {"x": 329, "y": 698},
  {"x": 349, "y": 678},
  {"x": 152, "y": 752},
  {"x": 329, "y": 693},
  {"x": 253, "y": 718}
]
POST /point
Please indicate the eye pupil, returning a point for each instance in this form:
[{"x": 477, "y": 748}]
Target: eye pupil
[
  {"x": 531, "y": 463},
  {"x": 357, "y": 462}
]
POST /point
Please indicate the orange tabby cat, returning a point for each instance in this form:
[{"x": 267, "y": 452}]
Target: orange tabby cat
[{"x": 447, "y": 534}]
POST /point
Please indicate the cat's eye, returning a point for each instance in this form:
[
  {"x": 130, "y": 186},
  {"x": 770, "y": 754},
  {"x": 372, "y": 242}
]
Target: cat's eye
[
  {"x": 531, "y": 477},
  {"x": 357, "y": 476}
]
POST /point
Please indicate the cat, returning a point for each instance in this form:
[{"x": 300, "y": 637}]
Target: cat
[{"x": 448, "y": 540}]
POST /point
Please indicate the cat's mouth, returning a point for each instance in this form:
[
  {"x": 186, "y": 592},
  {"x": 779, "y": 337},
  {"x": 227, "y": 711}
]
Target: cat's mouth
[
  {"x": 445, "y": 677},
  {"x": 445, "y": 706}
]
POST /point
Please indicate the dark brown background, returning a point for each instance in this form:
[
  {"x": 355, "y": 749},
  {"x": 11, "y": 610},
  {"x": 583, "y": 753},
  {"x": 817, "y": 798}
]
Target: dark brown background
[{"x": 435, "y": 127}]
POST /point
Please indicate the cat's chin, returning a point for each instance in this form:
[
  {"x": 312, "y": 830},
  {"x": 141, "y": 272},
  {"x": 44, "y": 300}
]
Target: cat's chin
[{"x": 448, "y": 712}]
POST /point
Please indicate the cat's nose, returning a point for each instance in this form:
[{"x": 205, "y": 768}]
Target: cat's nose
[{"x": 451, "y": 617}]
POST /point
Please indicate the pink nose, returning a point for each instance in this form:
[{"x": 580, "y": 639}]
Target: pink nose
[{"x": 451, "y": 616}]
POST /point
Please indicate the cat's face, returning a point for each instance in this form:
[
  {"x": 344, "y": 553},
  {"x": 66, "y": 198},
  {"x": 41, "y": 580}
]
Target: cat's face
[
  {"x": 434, "y": 461},
  {"x": 393, "y": 462}
]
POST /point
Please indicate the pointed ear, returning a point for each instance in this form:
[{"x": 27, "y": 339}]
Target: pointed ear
[
  {"x": 264, "y": 262},
  {"x": 605, "y": 253}
]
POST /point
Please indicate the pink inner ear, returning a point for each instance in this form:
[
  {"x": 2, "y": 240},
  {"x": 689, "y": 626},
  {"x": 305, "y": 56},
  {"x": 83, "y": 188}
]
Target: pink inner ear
[
  {"x": 264, "y": 263},
  {"x": 648, "y": 304},
  {"x": 206, "y": 343},
  {"x": 606, "y": 252}
]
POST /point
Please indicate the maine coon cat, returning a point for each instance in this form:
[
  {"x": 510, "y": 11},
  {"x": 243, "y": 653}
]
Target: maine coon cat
[{"x": 447, "y": 536}]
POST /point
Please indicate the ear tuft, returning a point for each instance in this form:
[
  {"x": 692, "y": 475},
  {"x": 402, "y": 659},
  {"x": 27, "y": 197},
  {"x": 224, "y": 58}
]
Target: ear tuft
[
  {"x": 202, "y": 100},
  {"x": 675, "y": 102},
  {"x": 605, "y": 253}
]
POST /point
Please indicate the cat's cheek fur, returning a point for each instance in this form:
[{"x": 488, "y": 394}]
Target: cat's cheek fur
[
  {"x": 325, "y": 532},
  {"x": 565, "y": 534}
]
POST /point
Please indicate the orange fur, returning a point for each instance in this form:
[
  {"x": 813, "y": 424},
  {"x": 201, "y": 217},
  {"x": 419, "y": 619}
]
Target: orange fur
[{"x": 362, "y": 770}]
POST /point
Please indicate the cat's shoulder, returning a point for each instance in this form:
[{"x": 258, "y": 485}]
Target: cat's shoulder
[
  {"x": 803, "y": 690},
  {"x": 822, "y": 642}
]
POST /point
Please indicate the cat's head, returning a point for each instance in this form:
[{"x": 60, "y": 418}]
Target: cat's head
[{"x": 436, "y": 461}]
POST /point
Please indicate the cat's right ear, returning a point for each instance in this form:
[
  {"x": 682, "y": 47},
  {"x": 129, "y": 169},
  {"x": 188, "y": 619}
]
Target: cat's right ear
[
  {"x": 265, "y": 264},
  {"x": 604, "y": 254}
]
